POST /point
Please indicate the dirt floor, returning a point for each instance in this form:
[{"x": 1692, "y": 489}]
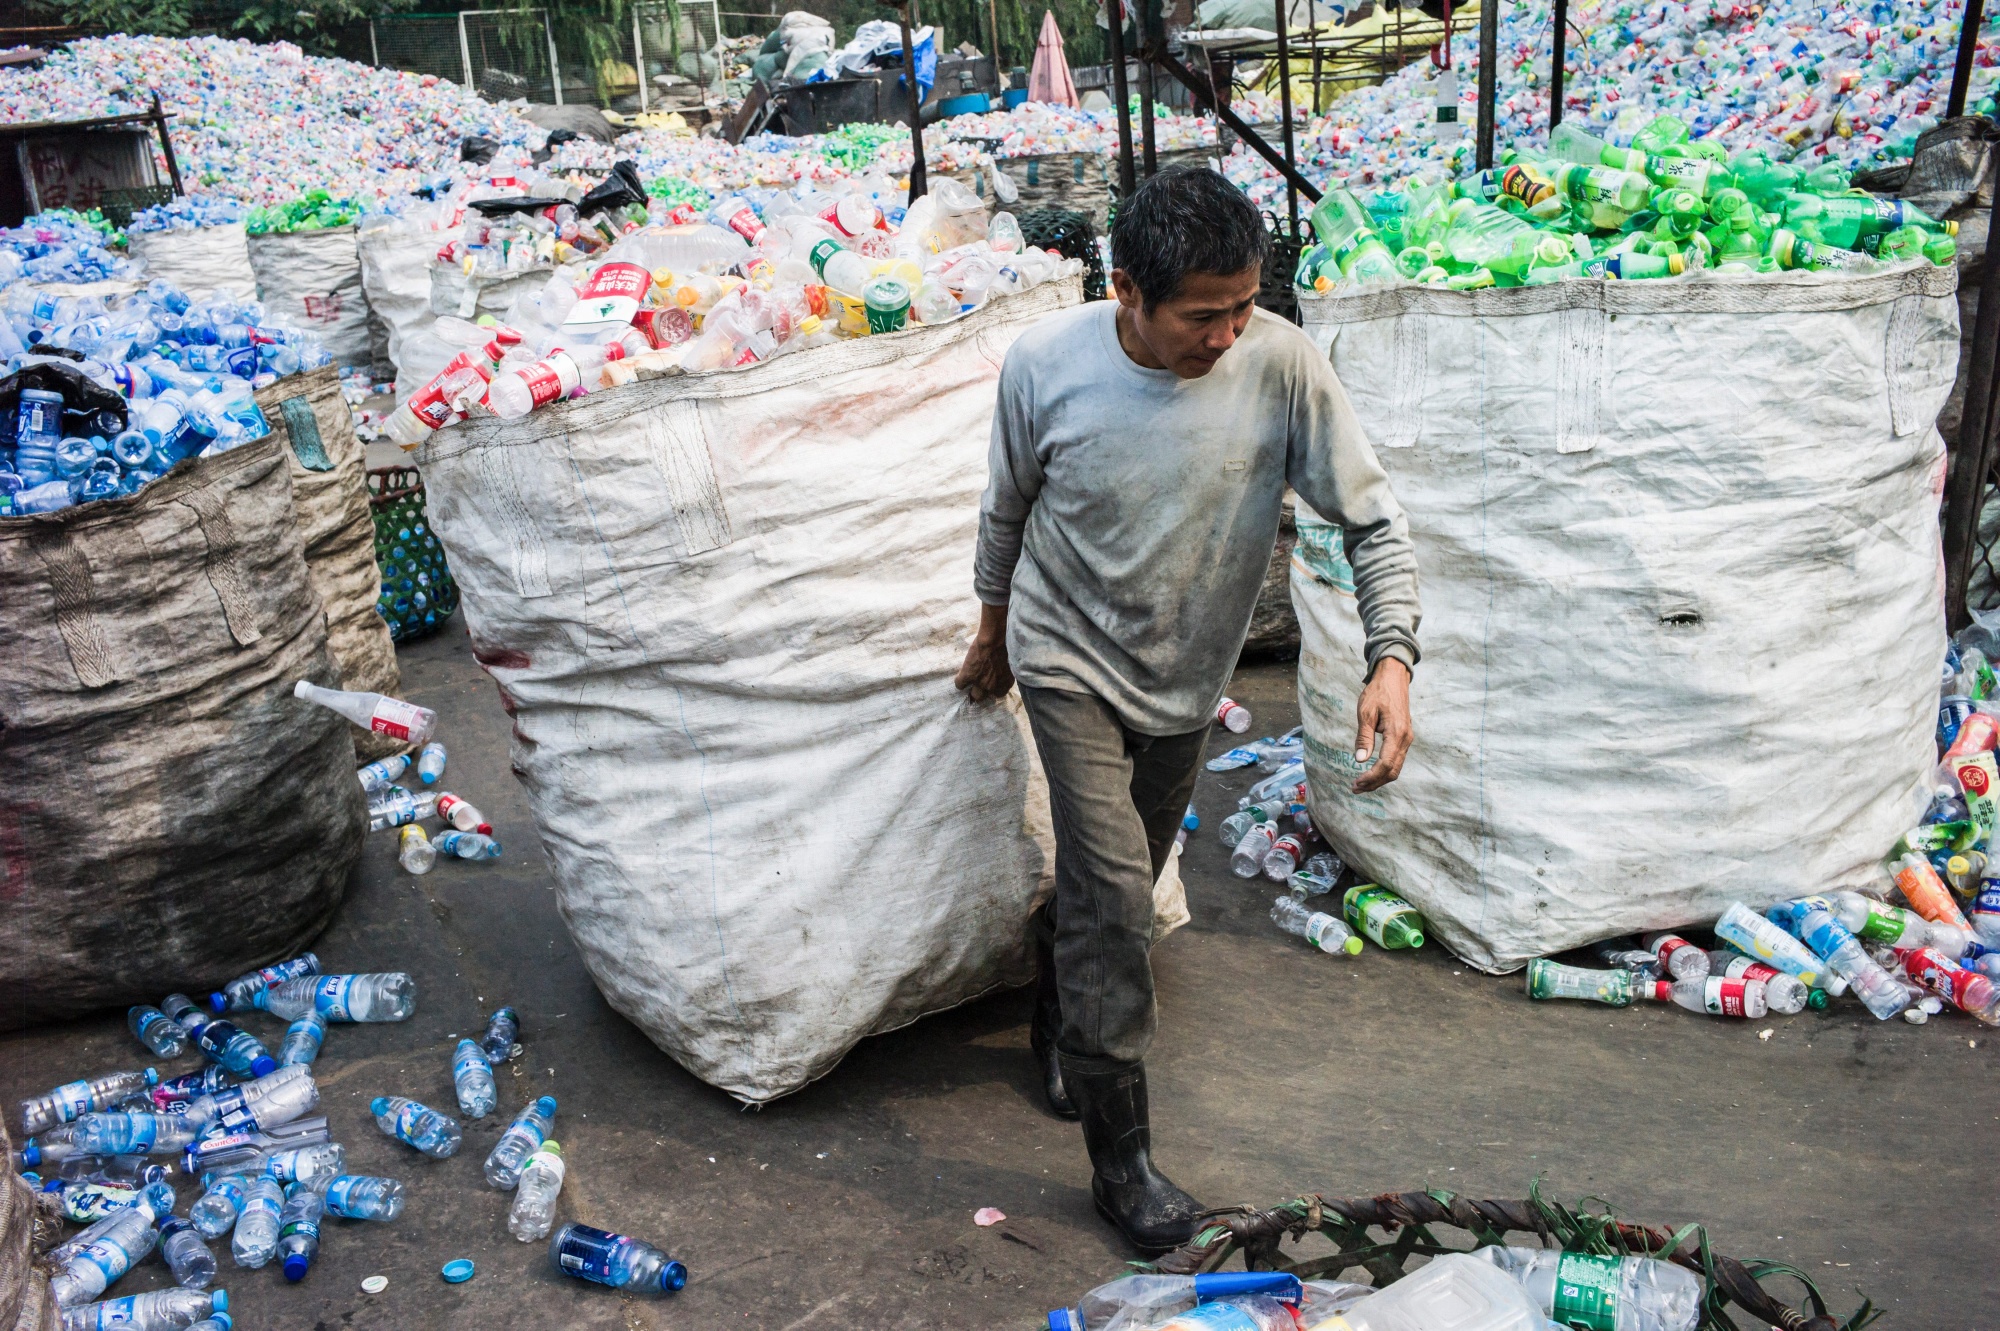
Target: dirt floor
[{"x": 1845, "y": 1146}]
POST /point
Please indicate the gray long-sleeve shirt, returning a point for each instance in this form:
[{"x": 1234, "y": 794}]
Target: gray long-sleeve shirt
[{"x": 1130, "y": 514}]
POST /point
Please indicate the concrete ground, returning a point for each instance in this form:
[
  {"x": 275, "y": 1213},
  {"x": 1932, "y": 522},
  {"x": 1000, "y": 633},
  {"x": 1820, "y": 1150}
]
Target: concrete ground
[{"x": 1848, "y": 1147}]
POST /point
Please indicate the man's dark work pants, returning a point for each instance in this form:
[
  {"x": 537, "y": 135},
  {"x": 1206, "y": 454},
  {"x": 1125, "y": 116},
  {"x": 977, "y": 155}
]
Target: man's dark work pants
[{"x": 1117, "y": 797}]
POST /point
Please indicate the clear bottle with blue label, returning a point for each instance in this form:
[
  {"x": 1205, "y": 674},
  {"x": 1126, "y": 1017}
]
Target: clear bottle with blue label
[
  {"x": 364, "y": 1197},
  {"x": 530, "y": 1128},
  {"x": 472, "y": 1079},
  {"x": 616, "y": 1260},
  {"x": 417, "y": 1125}
]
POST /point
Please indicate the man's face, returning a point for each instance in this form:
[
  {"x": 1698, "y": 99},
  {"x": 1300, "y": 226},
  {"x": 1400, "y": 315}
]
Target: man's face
[{"x": 1189, "y": 332}]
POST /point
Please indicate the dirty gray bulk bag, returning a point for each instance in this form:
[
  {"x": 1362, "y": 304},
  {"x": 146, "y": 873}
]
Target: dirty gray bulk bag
[
  {"x": 312, "y": 280},
  {"x": 171, "y": 815}
]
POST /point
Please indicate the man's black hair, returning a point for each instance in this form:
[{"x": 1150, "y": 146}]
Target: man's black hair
[{"x": 1186, "y": 219}]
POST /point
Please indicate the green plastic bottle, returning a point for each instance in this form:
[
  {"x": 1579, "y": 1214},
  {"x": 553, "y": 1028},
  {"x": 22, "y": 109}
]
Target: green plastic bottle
[
  {"x": 1661, "y": 134},
  {"x": 1726, "y": 203},
  {"x": 1738, "y": 242},
  {"x": 1548, "y": 979},
  {"x": 1611, "y": 195},
  {"x": 1761, "y": 178},
  {"x": 1478, "y": 235},
  {"x": 1383, "y": 917},
  {"x": 1357, "y": 254},
  {"x": 1680, "y": 213},
  {"x": 1845, "y": 219},
  {"x": 1634, "y": 266}
]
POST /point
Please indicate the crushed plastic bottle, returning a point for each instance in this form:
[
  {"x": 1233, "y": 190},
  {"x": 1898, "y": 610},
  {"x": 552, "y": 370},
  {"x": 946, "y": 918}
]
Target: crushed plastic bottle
[
  {"x": 530, "y": 1128},
  {"x": 303, "y": 1038},
  {"x": 257, "y": 1106},
  {"x": 185, "y": 1254},
  {"x": 189, "y": 1087},
  {"x": 1967, "y": 990},
  {"x": 256, "y": 1236},
  {"x": 157, "y": 1031},
  {"x": 437, "y": 1135},
  {"x": 1147, "y": 1300},
  {"x": 1459, "y": 1290},
  {"x": 373, "y": 711},
  {"x": 503, "y": 1037},
  {"x": 1618, "y": 1293},
  {"x": 382, "y": 996},
  {"x": 89, "y": 1263},
  {"x": 468, "y": 846},
  {"x": 87, "y": 1202},
  {"x": 240, "y": 994},
  {"x": 397, "y": 807},
  {"x": 616, "y": 1260},
  {"x": 70, "y": 1101},
  {"x": 215, "y": 1213},
  {"x": 362, "y": 1197},
  {"x": 1325, "y": 932},
  {"x": 534, "y": 1210},
  {"x": 155, "y": 1310}
]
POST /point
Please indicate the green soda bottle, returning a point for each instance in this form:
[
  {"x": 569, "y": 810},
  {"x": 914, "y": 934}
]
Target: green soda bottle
[
  {"x": 1631, "y": 265},
  {"x": 1413, "y": 260},
  {"x": 1548, "y": 979},
  {"x": 1737, "y": 242},
  {"x": 1941, "y": 250},
  {"x": 1661, "y": 134},
  {"x": 1478, "y": 235},
  {"x": 1761, "y": 178},
  {"x": 1726, "y": 203},
  {"x": 1680, "y": 213},
  {"x": 1905, "y": 242},
  {"x": 1611, "y": 195},
  {"x": 1343, "y": 224},
  {"x": 1828, "y": 179},
  {"x": 1845, "y": 219},
  {"x": 1385, "y": 918}
]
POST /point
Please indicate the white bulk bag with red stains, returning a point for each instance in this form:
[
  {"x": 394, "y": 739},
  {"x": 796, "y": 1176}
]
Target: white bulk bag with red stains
[{"x": 725, "y": 611}]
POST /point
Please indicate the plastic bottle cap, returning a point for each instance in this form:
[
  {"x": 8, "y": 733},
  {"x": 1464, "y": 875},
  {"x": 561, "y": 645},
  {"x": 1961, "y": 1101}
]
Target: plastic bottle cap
[
  {"x": 296, "y": 1266},
  {"x": 673, "y": 1276},
  {"x": 221, "y": 1301},
  {"x": 152, "y": 1077},
  {"x": 374, "y": 1284},
  {"x": 457, "y": 1272},
  {"x": 264, "y": 1066},
  {"x": 218, "y": 1002}
]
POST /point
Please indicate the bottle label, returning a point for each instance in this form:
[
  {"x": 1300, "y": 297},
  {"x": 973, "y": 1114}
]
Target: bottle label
[
  {"x": 744, "y": 222},
  {"x": 87, "y": 1203},
  {"x": 590, "y": 1253},
  {"x": 1723, "y": 997},
  {"x": 395, "y": 718},
  {"x": 1527, "y": 184},
  {"x": 1322, "y": 927},
  {"x": 609, "y": 298},
  {"x": 233, "y": 1111},
  {"x": 1881, "y": 927},
  {"x": 1586, "y": 1295},
  {"x": 1213, "y": 1317},
  {"x": 1929, "y": 968},
  {"x": 1372, "y": 909},
  {"x": 1744, "y": 968},
  {"x": 437, "y": 401},
  {"x": 405, "y": 1123},
  {"x": 71, "y": 1100},
  {"x": 300, "y": 1229},
  {"x": 822, "y": 254},
  {"x": 1665, "y": 947},
  {"x": 106, "y": 1256},
  {"x": 330, "y": 997},
  {"x": 1927, "y": 895},
  {"x": 337, "y": 1193},
  {"x": 548, "y": 380},
  {"x": 1988, "y": 900},
  {"x": 284, "y": 1166}
]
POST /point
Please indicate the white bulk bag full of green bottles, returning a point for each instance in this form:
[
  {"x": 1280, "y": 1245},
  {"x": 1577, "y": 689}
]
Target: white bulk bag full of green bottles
[
  {"x": 1678, "y": 544},
  {"x": 724, "y": 611}
]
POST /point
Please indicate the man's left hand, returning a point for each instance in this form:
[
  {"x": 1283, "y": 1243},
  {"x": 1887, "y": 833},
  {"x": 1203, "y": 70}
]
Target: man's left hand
[{"x": 1384, "y": 707}]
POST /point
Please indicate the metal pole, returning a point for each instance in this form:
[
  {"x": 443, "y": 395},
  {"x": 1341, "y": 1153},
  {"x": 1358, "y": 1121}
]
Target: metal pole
[
  {"x": 374, "y": 51},
  {"x": 1489, "y": 56},
  {"x": 638, "y": 59},
  {"x": 1961, "y": 73},
  {"x": 555, "y": 64},
  {"x": 1218, "y": 104},
  {"x": 1150, "y": 156},
  {"x": 919, "y": 182},
  {"x": 1556, "y": 59},
  {"x": 1972, "y": 460},
  {"x": 464, "y": 50},
  {"x": 1115, "y": 11},
  {"x": 1285, "y": 114}
]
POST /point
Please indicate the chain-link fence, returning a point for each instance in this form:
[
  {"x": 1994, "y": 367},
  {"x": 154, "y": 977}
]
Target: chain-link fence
[
  {"x": 674, "y": 50},
  {"x": 500, "y": 53}
]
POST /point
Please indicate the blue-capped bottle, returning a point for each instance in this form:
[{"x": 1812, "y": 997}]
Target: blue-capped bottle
[
  {"x": 215, "y": 1213},
  {"x": 616, "y": 1260},
  {"x": 379, "y": 775},
  {"x": 88, "y": 1264},
  {"x": 364, "y": 1197},
  {"x": 467, "y": 845},
  {"x": 119, "y": 1133},
  {"x": 240, "y": 994},
  {"x": 530, "y": 1128},
  {"x": 472, "y": 1080},
  {"x": 302, "y": 1041},
  {"x": 235, "y": 1049},
  {"x": 72, "y": 1100},
  {"x": 155, "y": 1310},
  {"x": 503, "y": 1036},
  {"x": 387, "y": 996},
  {"x": 189, "y": 1086},
  {"x": 430, "y": 763},
  {"x": 298, "y": 1230},
  {"x": 437, "y": 1135},
  {"x": 185, "y": 1254},
  {"x": 256, "y": 1236},
  {"x": 157, "y": 1031}
]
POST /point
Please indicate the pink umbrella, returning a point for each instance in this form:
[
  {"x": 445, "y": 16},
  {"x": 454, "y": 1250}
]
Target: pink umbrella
[{"x": 1049, "y": 80}]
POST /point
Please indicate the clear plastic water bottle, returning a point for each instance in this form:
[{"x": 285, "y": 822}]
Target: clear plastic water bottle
[
  {"x": 472, "y": 1079},
  {"x": 86, "y": 1202},
  {"x": 252, "y": 1152},
  {"x": 1784, "y": 993},
  {"x": 308, "y": 1165},
  {"x": 1617, "y": 953},
  {"x": 131, "y": 1171},
  {"x": 1232, "y": 829},
  {"x": 1818, "y": 930},
  {"x": 1550, "y": 979},
  {"x": 1325, "y": 932},
  {"x": 298, "y": 1230},
  {"x": 215, "y": 1213},
  {"x": 1284, "y": 856},
  {"x": 240, "y": 994},
  {"x": 1621, "y": 1293},
  {"x": 415, "y": 852},
  {"x": 155, "y": 1310},
  {"x": 157, "y": 1031},
  {"x": 1678, "y": 958},
  {"x": 382, "y": 996},
  {"x": 530, "y": 1128},
  {"x": 70, "y": 1101},
  {"x": 417, "y": 1125},
  {"x": 119, "y": 1133},
  {"x": 1283, "y": 784},
  {"x": 1247, "y": 859},
  {"x": 397, "y": 807},
  {"x": 1714, "y": 995},
  {"x": 363, "y": 1197},
  {"x": 430, "y": 763},
  {"x": 1753, "y": 935},
  {"x": 1458, "y": 1290},
  {"x": 260, "y": 1105},
  {"x": 1317, "y": 876},
  {"x": 302, "y": 1041},
  {"x": 503, "y": 1037},
  {"x": 461, "y": 815},
  {"x": 611, "y": 1259},
  {"x": 189, "y": 1086},
  {"x": 534, "y": 1211},
  {"x": 1233, "y": 716},
  {"x": 468, "y": 845},
  {"x": 383, "y": 773},
  {"x": 185, "y": 1011},
  {"x": 186, "y": 1255},
  {"x": 101, "y": 1254},
  {"x": 256, "y": 1236},
  {"x": 373, "y": 711},
  {"x": 1874, "y": 921},
  {"x": 236, "y": 1050}
]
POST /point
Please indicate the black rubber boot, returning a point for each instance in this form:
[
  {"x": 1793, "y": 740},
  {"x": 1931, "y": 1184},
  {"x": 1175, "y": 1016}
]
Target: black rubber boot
[
  {"x": 1143, "y": 1203},
  {"x": 1047, "y": 1025}
]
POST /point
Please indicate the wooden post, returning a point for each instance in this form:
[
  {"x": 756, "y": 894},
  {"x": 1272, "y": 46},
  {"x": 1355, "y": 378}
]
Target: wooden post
[
  {"x": 919, "y": 184},
  {"x": 1115, "y": 11},
  {"x": 1285, "y": 114},
  {"x": 159, "y": 118}
]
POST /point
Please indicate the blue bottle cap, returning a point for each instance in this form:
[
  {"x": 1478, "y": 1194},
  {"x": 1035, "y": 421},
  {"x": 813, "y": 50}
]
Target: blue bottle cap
[
  {"x": 152, "y": 1076},
  {"x": 673, "y": 1276},
  {"x": 31, "y": 1154},
  {"x": 296, "y": 1266},
  {"x": 218, "y": 1002},
  {"x": 221, "y": 1301},
  {"x": 264, "y": 1066},
  {"x": 225, "y": 1319},
  {"x": 457, "y": 1272}
]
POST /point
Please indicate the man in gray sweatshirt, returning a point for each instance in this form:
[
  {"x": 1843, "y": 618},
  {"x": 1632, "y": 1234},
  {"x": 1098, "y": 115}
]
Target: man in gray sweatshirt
[{"x": 1140, "y": 453}]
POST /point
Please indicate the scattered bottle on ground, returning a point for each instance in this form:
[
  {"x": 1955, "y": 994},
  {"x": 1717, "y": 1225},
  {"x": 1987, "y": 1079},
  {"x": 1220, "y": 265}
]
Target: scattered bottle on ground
[
  {"x": 1875, "y": 921},
  {"x": 373, "y": 711},
  {"x": 1619, "y": 953},
  {"x": 1783, "y": 993},
  {"x": 382, "y": 996},
  {"x": 534, "y": 1211},
  {"x": 472, "y": 1080},
  {"x": 257, "y": 1106},
  {"x": 120, "y": 1133},
  {"x": 157, "y": 1031},
  {"x": 1753, "y": 935},
  {"x": 1461, "y": 1290},
  {"x": 234, "y": 1049},
  {"x": 240, "y": 994},
  {"x": 1617, "y": 1293},
  {"x": 1323, "y": 931},
  {"x": 189, "y": 1086},
  {"x": 397, "y": 807},
  {"x": 310, "y": 1165},
  {"x": 363, "y": 1197},
  {"x": 72, "y": 1100},
  {"x": 417, "y": 1125},
  {"x": 256, "y": 1236},
  {"x": 1284, "y": 856},
  {"x": 102, "y": 1253},
  {"x": 530, "y": 1128},
  {"x": 1678, "y": 958},
  {"x": 1247, "y": 859},
  {"x": 503, "y": 1037},
  {"x": 246, "y": 1152},
  {"x": 462, "y": 815},
  {"x": 415, "y": 852},
  {"x": 1233, "y": 716},
  {"x": 1384, "y": 918},
  {"x": 1968, "y": 990},
  {"x": 1550, "y": 979},
  {"x": 1817, "y": 929},
  {"x": 302, "y": 1041},
  {"x": 215, "y": 1214},
  {"x": 611, "y": 1259},
  {"x": 383, "y": 773},
  {"x": 87, "y": 1202},
  {"x": 155, "y": 1310},
  {"x": 468, "y": 845},
  {"x": 185, "y": 1254},
  {"x": 1927, "y": 894},
  {"x": 298, "y": 1230},
  {"x": 430, "y": 763},
  {"x": 1711, "y": 994}
]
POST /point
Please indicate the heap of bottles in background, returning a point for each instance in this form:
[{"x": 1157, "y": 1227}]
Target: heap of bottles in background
[
  {"x": 184, "y": 369},
  {"x": 1666, "y": 206}
]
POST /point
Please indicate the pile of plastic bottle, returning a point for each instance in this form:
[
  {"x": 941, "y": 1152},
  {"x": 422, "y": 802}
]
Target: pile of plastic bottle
[
  {"x": 312, "y": 211},
  {"x": 261, "y": 123},
  {"x": 184, "y": 368},
  {"x": 1852, "y": 83},
  {"x": 1667, "y": 206},
  {"x": 63, "y": 246},
  {"x": 187, "y": 213},
  {"x": 751, "y": 280}
]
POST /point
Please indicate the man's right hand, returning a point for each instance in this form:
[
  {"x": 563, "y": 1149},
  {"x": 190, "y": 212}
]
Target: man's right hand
[{"x": 986, "y": 675}]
